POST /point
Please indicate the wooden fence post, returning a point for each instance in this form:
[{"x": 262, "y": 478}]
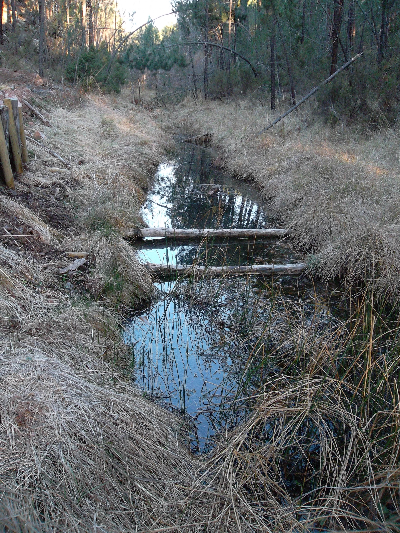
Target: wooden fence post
[
  {"x": 4, "y": 158},
  {"x": 14, "y": 105},
  {"x": 24, "y": 150},
  {"x": 5, "y": 122},
  {"x": 14, "y": 135}
]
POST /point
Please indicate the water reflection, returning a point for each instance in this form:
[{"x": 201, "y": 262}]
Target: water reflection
[
  {"x": 190, "y": 193},
  {"x": 179, "y": 356},
  {"x": 190, "y": 348},
  {"x": 218, "y": 252}
]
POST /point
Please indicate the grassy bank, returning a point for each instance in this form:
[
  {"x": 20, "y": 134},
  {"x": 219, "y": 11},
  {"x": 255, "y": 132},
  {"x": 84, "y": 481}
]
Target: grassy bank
[
  {"x": 81, "y": 450},
  {"x": 320, "y": 450},
  {"x": 337, "y": 189}
]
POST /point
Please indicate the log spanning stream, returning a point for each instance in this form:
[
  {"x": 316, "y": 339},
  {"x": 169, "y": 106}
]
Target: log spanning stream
[{"x": 194, "y": 349}]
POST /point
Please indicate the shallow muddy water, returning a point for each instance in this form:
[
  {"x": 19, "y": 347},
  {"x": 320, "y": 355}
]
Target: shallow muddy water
[{"x": 191, "y": 348}]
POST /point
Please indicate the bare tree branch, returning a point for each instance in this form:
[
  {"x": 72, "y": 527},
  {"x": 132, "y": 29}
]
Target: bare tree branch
[{"x": 225, "y": 48}]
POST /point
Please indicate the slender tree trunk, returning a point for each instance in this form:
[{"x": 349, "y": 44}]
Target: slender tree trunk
[
  {"x": 193, "y": 73},
  {"x": 1, "y": 22},
  {"x": 335, "y": 33},
  {"x": 351, "y": 34},
  {"x": 222, "y": 51},
  {"x": 96, "y": 30},
  {"x": 41, "y": 36},
  {"x": 90, "y": 22},
  {"x": 273, "y": 66},
  {"x": 303, "y": 23},
  {"x": 383, "y": 33},
  {"x": 84, "y": 23},
  {"x": 289, "y": 67},
  {"x": 230, "y": 23},
  {"x": 351, "y": 26},
  {"x": 115, "y": 24},
  {"x": 13, "y": 14},
  {"x": 361, "y": 44},
  {"x": 206, "y": 52},
  {"x": 229, "y": 57}
]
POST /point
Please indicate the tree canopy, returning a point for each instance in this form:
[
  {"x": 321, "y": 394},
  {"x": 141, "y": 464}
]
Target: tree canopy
[{"x": 273, "y": 48}]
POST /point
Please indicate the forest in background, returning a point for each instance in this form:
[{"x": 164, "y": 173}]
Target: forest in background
[{"x": 276, "y": 50}]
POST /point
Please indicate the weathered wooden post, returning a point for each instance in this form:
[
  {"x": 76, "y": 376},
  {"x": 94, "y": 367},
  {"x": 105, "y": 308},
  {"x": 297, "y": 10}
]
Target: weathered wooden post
[
  {"x": 14, "y": 137},
  {"x": 14, "y": 105},
  {"x": 4, "y": 158},
  {"x": 24, "y": 150},
  {"x": 5, "y": 122}
]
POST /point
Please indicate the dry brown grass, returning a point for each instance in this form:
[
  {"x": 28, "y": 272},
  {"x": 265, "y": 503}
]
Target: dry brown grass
[
  {"x": 80, "y": 449},
  {"x": 337, "y": 191}
]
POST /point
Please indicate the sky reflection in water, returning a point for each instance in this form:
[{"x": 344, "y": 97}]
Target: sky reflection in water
[{"x": 187, "y": 349}]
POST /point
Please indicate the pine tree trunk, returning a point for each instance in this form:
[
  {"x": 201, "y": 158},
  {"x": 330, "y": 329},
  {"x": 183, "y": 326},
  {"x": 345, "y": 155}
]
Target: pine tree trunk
[
  {"x": 273, "y": 67},
  {"x": 303, "y": 23},
  {"x": 41, "y": 36},
  {"x": 84, "y": 23},
  {"x": 221, "y": 52},
  {"x": 289, "y": 67},
  {"x": 383, "y": 33},
  {"x": 335, "y": 33},
  {"x": 206, "y": 53},
  {"x": 13, "y": 14},
  {"x": 351, "y": 26},
  {"x": 1, "y": 22},
  {"x": 90, "y": 22},
  {"x": 193, "y": 73},
  {"x": 229, "y": 57}
]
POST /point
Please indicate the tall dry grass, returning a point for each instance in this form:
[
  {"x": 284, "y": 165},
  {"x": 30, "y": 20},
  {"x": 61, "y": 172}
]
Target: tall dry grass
[
  {"x": 80, "y": 449},
  {"x": 336, "y": 189}
]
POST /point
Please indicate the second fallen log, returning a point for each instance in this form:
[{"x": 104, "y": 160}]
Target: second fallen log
[{"x": 264, "y": 270}]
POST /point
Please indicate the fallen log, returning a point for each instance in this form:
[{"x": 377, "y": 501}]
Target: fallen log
[
  {"x": 168, "y": 233},
  {"x": 54, "y": 154},
  {"x": 264, "y": 270},
  {"x": 36, "y": 113},
  {"x": 313, "y": 91}
]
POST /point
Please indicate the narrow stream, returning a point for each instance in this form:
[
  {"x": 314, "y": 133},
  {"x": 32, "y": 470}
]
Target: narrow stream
[{"x": 191, "y": 348}]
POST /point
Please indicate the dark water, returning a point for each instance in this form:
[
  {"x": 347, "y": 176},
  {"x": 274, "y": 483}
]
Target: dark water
[{"x": 190, "y": 349}]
